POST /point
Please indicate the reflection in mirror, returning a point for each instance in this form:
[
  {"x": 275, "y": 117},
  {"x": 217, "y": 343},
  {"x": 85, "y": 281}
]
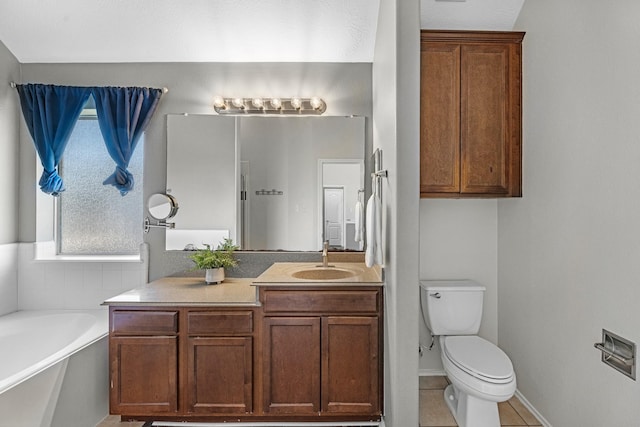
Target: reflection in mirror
[
  {"x": 261, "y": 180},
  {"x": 162, "y": 206}
]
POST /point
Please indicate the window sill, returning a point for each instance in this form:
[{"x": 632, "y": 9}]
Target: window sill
[{"x": 46, "y": 251}]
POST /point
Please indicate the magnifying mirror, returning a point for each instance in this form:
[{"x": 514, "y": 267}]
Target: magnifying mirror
[{"x": 161, "y": 207}]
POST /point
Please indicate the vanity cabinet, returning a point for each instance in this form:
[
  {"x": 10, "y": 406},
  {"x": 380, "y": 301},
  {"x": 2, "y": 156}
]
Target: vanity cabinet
[
  {"x": 470, "y": 114},
  {"x": 143, "y": 348},
  {"x": 219, "y": 362},
  {"x": 180, "y": 361},
  {"x": 322, "y": 351},
  {"x": 280, "y": 352}
]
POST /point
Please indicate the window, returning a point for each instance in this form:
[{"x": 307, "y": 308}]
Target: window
[{"x": 92, "y": 218}]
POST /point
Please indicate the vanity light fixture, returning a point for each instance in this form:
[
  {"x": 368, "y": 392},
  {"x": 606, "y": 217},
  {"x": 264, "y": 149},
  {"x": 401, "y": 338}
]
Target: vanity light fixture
[
  {"x": 218, "y": 102},
  {"x": 258, "y": 105},
  {"x": 296, "y": 103}
]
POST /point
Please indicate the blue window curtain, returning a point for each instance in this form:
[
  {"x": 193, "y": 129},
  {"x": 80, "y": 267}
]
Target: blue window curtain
[
  {"x": 51, "y": 113},
  {"x": 123, "y": 114}
]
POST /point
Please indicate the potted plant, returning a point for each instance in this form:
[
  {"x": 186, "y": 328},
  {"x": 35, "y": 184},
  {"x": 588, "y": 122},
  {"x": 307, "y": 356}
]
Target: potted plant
[{"x": 215, "y": 261}]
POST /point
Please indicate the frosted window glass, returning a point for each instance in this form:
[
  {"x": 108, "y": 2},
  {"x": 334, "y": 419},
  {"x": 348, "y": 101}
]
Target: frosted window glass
[{"x": 94, "y": 218}]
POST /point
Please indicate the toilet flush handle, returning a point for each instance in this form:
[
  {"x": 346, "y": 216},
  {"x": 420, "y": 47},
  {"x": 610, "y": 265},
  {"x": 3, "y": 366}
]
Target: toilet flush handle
[{"x": 436, "y": 295}]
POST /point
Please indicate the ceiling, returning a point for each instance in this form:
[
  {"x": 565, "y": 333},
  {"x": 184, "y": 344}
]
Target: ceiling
[{"x": 101, "y": 31}]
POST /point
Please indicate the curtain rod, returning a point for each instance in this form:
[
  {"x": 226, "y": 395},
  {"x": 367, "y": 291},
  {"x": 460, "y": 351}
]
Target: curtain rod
[{"x": 13, "y": 85}]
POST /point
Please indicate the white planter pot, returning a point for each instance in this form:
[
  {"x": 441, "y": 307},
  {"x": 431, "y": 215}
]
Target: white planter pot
[{"x": 214, "y": 275}]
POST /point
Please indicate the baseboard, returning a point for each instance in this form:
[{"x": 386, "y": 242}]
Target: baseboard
[
  {"x": 533, "y": 410},
  {"x": 431, "y": 373}
]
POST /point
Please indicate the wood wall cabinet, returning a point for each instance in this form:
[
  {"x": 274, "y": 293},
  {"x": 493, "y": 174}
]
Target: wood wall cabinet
[
  {"x": 322, "y": 351},
  {"x": 470, "y": 120}
]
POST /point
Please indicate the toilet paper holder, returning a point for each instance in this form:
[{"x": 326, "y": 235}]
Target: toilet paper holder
[{"x": 618, "y": 352}]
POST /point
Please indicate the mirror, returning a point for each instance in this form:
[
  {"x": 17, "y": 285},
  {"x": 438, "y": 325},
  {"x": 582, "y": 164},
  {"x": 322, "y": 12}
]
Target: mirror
[
  {"x": 162, "y": 206},
  {"x": 268, "y": 183}
]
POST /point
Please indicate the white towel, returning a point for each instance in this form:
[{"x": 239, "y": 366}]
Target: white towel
[
  {"x": 359, "y": 237},
  {"x": 373, "y": 253},
  {"x": 369, "y": 253}
]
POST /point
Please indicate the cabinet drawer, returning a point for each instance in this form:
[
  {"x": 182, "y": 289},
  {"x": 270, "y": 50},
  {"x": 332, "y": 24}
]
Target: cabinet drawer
[
  {"x": 219, "y": 322},
  {"x": 130, "y": 322},
  {"x": 334, "y": 301}
]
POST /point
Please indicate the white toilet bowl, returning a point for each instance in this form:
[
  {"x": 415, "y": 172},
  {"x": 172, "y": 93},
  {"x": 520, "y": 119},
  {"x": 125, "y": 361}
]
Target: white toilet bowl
[{"x": 481, "y": 375}]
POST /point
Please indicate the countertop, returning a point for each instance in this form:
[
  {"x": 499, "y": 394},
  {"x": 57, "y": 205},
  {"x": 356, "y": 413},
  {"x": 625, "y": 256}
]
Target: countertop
[
  {"x": 280, "y": 274},
  {"x": 239, "y": 291},
  {"x": 190, "y": 291}
]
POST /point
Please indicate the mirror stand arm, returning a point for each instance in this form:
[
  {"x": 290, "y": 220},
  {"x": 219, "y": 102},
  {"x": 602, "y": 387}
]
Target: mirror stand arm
[{"x": 159, "y": 224}]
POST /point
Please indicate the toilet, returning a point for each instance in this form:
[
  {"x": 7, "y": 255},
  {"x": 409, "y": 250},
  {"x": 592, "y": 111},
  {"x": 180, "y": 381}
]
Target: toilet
[{"x": 481, "y": 374}]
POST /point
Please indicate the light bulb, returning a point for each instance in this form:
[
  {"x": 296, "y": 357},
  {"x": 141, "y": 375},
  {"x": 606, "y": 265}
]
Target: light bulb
[
  {"x": 257, "y": 102},
  {"x": 296, "y": 103},
  {"x": 316, "y": 102},
  {"x": 218, "y": 102},
  {"x": 238, "y": 102},
  {"x": 276, "y": 103}
]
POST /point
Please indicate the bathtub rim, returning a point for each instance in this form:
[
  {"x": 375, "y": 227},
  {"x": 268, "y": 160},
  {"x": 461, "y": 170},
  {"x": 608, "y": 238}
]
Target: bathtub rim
[{"x": 95, "y": 333}]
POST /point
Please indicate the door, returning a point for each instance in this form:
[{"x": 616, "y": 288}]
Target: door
[
  {"x": 220, "y": 375},
  {"x": 485, "y": 130},
  {"x": 440, "y": 118},
  {"x": 333, "y": 201},
  {"x": 350, "y": 365},
  {"x": 144, "y": 375},
  {"x": 291, "y": 365}
]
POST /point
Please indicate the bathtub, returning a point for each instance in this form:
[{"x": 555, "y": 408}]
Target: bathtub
[{"x": 36, "y": 376}]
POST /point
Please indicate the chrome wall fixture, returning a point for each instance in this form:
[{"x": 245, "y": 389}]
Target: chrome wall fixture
[
  {"x": 618, "y": 352},
  {"x": 289, "y": 106}
]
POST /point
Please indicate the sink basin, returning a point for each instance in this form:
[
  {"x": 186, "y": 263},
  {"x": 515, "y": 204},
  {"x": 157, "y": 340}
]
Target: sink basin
[{"x": 323, "y": 274}]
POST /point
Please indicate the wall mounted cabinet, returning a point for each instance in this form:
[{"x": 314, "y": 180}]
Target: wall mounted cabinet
[{"x": 470, "y": 114}]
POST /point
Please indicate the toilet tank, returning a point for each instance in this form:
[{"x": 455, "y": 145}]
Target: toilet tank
[{"x": 452, "y": 307}]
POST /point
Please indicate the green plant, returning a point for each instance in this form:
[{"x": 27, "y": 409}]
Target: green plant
[{"x": 222, "y": 256}]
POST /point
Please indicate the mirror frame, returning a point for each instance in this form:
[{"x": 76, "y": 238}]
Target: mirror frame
[{"x": 168, "y": 199}]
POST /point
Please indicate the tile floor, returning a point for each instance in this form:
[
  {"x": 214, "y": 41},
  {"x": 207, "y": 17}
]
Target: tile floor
[
  {"x": 433, "y": 409},
  {"x": 435, "y": 413}
]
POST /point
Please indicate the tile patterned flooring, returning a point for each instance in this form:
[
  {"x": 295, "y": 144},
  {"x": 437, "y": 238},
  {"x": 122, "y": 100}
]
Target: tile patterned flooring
[
  {"x": 433, "y": 409},
  {"x": 435, "y": 413}
]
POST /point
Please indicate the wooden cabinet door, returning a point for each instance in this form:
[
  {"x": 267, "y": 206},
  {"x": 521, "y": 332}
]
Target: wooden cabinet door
[
  {"x": 144, "y": 376},
  {"x": 291, "y": 362},
  {"x": 350, "y": 365},
  {"x": 440, "y": 118},
  {"x": 219, "y": 380},
  {"x": 484, "y": 119}
]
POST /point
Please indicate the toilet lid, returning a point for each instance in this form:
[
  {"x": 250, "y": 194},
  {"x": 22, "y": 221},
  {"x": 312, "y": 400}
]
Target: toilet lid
[{"x": 478, "y": 357}]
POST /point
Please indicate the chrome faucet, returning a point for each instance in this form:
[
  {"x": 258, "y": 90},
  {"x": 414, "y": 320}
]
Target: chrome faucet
[{"x": 325, "y": 254}]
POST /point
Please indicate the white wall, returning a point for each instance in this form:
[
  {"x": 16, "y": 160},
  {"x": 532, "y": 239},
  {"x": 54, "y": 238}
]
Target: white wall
[
  {"x": 9, "y": 137},
  {"x": 346, "y": 88},
  {"x": 459, "y": 240},
  {"x": 569, "y": 250},
  {"x": 396, "y": 79}
]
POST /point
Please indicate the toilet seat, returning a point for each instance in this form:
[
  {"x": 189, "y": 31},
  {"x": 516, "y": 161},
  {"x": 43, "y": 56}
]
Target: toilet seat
[{"x": 479, "y": 358}]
